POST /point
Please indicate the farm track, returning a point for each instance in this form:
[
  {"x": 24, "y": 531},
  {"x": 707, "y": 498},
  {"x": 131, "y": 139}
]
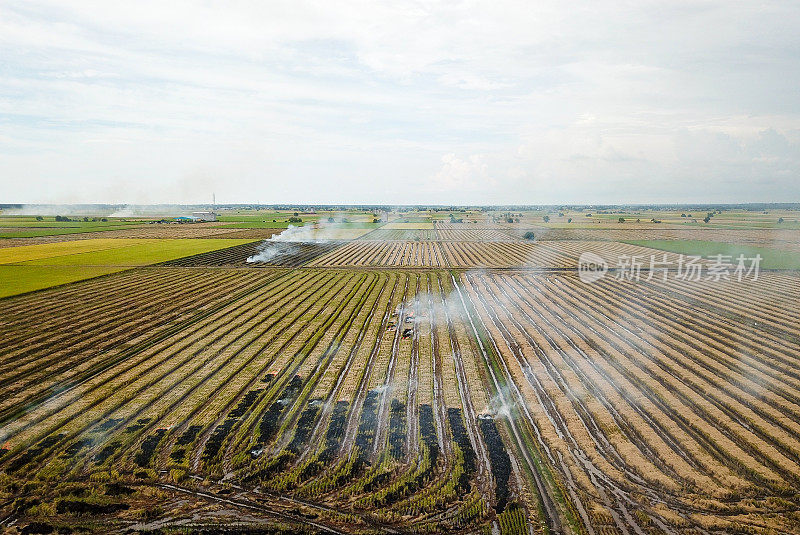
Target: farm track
[{"x": 552, "y": 517}]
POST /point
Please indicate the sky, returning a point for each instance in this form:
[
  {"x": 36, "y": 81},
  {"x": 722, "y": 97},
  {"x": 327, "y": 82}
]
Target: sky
[{"x": 453, "y": 102}]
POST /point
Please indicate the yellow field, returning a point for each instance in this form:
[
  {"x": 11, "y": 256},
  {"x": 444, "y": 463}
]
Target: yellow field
[
  {"x": 34, "y": 267},
  {"x": 13, "y": 255}
]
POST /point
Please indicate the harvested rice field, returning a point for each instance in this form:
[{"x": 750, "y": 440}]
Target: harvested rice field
[{"x": 435, "y": 378}]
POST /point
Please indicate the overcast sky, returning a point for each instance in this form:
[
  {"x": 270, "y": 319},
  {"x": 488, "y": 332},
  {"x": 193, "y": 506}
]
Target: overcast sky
[{"x": 399, "y": 102}]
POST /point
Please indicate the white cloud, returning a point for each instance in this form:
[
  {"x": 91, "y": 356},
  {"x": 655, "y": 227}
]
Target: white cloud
[
  {"x": 470, "y": 174},
  {"x": 352, "y": 101}
]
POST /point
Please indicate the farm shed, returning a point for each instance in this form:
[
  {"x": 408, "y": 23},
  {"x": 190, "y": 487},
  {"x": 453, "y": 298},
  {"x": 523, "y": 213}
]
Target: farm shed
[{"x": 204, "y": 216}]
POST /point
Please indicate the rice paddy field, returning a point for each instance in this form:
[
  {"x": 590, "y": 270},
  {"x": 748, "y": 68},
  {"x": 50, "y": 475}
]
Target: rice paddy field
[{"x": 410, "y": 372}]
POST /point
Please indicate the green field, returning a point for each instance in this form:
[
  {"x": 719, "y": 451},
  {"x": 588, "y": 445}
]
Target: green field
[
  {"x": 28, "y": 268},
  {"x": 17, "y": 279},
  {"x": 771, "y": 258}
]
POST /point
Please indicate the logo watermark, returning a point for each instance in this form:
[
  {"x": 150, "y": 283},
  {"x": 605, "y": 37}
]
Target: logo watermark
[{"x": 592, "y": 267}]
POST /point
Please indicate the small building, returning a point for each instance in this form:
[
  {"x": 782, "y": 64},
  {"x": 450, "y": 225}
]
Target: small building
[{"x": 204, "y": 216}]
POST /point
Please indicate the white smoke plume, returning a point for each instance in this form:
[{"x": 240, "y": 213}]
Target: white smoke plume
[
  {"x": 99, "y": 210},
  {"x": 286, "y": 242}
]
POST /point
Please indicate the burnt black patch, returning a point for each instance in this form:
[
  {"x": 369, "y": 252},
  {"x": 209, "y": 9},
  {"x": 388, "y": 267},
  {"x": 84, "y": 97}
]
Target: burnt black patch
[
  {"x": 148, "y": 448},
  {"x": 461, "y": 439},
  {"x": 397, "y": 429},
  {"x": 499, "y": 460}
]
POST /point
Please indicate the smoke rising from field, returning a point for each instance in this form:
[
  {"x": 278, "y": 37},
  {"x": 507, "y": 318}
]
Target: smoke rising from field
[
  {"x": 500, "y": 406},
  {"x": 287, "y": 241},
  {"x": 380, "y": 389},
  {"x": 99, "y": 210}
]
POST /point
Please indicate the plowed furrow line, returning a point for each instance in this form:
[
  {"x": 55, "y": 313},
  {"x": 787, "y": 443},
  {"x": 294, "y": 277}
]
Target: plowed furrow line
[
  {"x": 236, "y": 304},
  {"x": 74, "y": 365},
  {"x": 304, "y": 285},
  {"x": 302, "y": 290},
  {"x": 603, "y": 483},
  {"x": 285, "y": 374},
  {"x": 623, "y": 423},
  {"x": 677, "y": 416},
  {"x": 68, "y": 326},
  {"x": 347, "y": 368},
  {"x": 484, "y": 477},
  {"x": 751, "y": 378},
  {"x": 325, "y": 360},
  {"x": 214, "y": 375},
  {"x": 722, "y": 383},
  {"x": 412, "y": 408},
  {"x": 355, "y": 412},
  {"x": 383, "y": 409},
  {"x": 440, "y": 414},
  {"x": 548, "y": 508},
  {"x": 48, "y": 309}
]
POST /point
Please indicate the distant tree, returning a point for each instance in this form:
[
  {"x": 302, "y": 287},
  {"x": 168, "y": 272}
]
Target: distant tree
[
  {"x": 780, "y": 220},
  {"x": 689, "y": 215},
  {"x": 569, "y": 220},
  {"x": 39, "y": 218},
  {"x": 375, "y": 220},
  {"x": 295, "y": 214},
  {"x": 546, "y": 218},
  {"x": 529, "y": 235},
  {"x": 561, "y": 214},
  {"x": 104, "y": 220},
  {"x": 86, "y": 219},
  {"x": 588, "y": 215},
  {"x": 638, "y": 220},
  {"x": 621, "y": 219},
  {"x": 294, "y": 220},
  {"x": 509, "y": 220},
  {"x": 330, "y": 220},
  {"x": 683, "y": 215},
  {"x": 706, "y": 219}
]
